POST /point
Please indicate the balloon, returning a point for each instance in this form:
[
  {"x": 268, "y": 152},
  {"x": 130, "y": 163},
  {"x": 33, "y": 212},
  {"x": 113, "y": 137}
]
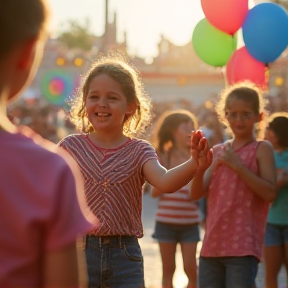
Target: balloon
[
  {"x": 56, "y": 86},
  {"x": 226, "y": 15},
  {"x": 242, "y": 66},
  {"x": 265, "y": 31},
  {"x": 213, "y": 46}
]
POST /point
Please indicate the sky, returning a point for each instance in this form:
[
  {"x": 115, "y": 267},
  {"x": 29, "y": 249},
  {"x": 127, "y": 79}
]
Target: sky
[{"x": 143, "y": 20}]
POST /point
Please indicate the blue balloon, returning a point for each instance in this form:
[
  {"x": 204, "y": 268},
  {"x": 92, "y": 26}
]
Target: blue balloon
[{"x": 265, "y": 32}]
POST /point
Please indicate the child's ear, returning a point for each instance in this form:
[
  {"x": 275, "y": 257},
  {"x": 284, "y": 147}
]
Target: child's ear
[
  {"x": 27, "y": 53},
  {"x": 131, "y": 109}
]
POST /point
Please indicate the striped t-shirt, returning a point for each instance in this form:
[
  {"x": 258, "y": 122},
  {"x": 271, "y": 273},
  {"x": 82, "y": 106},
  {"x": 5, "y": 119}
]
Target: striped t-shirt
[
  {"x": 178, "y": 208},
  {"x": 113, "y": 182}
]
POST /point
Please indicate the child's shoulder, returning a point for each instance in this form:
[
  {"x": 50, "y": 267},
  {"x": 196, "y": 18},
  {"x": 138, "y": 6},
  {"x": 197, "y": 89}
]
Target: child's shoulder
[
  {"x": 263, "y": 147},
  {"x": 72, "y": 138}
]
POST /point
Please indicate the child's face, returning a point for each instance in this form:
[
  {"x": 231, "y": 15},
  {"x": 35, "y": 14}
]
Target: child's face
[
  {"x": 182, "y": 135},
  {"x": 241, "y": 117},
  {"x": 106, "y": 105}
]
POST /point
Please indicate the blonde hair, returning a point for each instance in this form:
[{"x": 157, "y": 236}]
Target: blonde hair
[
  {"x": 123, "y": 72},
  {"x": 21, "y": 20},
  {"x": 163, "y": 139}
]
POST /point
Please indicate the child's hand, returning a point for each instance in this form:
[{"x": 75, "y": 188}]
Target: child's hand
[
  {"x": 195, "y": 141},
  {"x": 229, "y": 158},
  {"x": 205, "y": 155},
  {"x": 200, "y": 151}
]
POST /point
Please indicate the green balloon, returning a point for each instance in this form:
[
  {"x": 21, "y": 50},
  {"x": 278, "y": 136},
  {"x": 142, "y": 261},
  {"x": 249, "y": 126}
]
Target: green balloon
[{"x": 213, "y": 46}]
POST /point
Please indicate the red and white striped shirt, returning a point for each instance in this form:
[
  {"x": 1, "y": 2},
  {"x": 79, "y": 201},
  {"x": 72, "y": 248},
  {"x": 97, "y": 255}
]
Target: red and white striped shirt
[
  {"x": 178, "y": 208},
  {"x": 113, "y": 182}
]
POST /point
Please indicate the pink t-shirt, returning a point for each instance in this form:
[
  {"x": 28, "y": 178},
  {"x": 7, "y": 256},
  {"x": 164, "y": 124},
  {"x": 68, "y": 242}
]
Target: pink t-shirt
[
  {"x": 39, "y": 209},
  {"x": 113, "y": 182},
  {"x": 236, "y": 216}
]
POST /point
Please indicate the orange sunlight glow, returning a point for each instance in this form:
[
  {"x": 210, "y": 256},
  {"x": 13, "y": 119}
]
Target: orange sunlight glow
[{"x": 144, "y": 21}]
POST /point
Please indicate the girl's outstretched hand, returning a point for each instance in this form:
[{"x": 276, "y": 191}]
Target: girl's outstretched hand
[
  {"x": 229, "y": 158},
  {"x": 195, "y": 141},
  {"x": 205, "y": 155},
  {"x": 200, "y": 151}
]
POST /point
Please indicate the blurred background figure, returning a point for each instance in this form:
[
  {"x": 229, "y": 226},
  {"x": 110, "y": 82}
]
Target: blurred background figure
[
  {"x": 276, "y": 237},
  {"x": 177, "y": 217},
  {"x": 40, "y": 217}
]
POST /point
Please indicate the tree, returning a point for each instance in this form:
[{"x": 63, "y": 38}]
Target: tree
[{"x": 77, "y": 35}]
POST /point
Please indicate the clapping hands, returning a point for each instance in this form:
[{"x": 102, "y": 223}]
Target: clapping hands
[{"x": 200, "y": 151}]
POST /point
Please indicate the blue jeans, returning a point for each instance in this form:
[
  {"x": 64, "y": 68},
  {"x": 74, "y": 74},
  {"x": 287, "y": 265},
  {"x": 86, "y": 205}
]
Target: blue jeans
[
  {"x": 114, "y": 262},
  {"x": 227, "y": 272}
]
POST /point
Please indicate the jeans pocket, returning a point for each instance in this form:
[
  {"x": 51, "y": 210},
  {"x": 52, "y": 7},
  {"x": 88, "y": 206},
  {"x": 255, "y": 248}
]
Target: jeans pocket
[{"x": 133, "y": 253}]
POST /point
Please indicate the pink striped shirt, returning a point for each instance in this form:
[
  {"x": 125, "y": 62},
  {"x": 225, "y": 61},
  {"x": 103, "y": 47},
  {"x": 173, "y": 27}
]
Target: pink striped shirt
[
  {"x": 236, "y": 216},
  {"x": 178, "y": 208},
  {"x": 113, "y": 182}
]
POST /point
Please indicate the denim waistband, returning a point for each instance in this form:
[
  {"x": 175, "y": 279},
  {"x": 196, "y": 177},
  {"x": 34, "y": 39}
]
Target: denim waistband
[{"x": 111, "y": 239}]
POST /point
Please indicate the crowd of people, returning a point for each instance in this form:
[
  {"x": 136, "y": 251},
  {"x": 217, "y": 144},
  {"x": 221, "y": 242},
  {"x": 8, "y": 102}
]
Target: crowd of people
[{"x": 78, "y": 203}]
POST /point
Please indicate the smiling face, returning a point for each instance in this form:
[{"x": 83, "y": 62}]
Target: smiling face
[{"x": 106, "y": 105}]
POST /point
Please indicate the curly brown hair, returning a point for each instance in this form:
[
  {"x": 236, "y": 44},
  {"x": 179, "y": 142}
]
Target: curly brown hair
[{"x": 118, "y": 67}]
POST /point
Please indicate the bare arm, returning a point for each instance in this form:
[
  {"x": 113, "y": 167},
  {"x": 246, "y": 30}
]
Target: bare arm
[
  {"x": 265, "y": 185},
  {"x": 61, "y": 268},
  {"x": 168, "y": 181},
  {"x": 201, "y": 180},
  {"x": 179, "y": 176}
]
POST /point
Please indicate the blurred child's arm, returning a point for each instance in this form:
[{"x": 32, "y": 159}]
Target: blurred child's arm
[
  {"x": 61, "y": 268},
  {"x": 174, "y": 179},
  {"x": 264, "y": 184}
]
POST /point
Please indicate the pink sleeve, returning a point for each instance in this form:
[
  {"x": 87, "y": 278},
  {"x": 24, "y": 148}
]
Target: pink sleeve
[{"x": 66, "y": 222}]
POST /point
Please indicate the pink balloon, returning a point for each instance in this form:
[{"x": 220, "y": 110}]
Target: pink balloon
[
  {"x": 226, "y": 15},
  {"x": 242, "y": 66}
]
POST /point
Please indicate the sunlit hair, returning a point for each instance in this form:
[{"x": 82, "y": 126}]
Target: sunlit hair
[
  {"x": 245, "y": 91},
  {"x": 278, "y": 123},
  {"x": 21, "y": 20},
  {"x": 123, "y": 72},
  {"x": 163, "y": 139}
]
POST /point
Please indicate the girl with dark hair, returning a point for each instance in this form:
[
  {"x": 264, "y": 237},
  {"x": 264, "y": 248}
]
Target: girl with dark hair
[
  {"x": 276, "y": 237},
  {"x": 177, "y": 216}
]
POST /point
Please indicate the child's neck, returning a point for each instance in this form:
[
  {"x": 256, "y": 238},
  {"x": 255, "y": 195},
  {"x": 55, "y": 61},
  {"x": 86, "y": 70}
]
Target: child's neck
[
  {"x": 239, "y": 142},
  {"x": 107, "y": 140}
]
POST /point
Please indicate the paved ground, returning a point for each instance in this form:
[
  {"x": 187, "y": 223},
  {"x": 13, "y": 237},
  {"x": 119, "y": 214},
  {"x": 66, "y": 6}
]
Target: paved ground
[{"x": 152, "y": 261}]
